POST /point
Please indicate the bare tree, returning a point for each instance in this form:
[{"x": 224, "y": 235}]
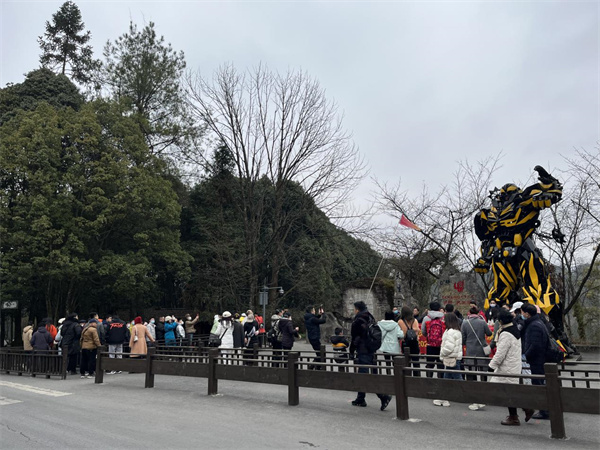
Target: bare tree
[
  {"x": 577, "y": 216},
  {"x": 279, "y": 126},
  {"x": 445, "y": 217}
]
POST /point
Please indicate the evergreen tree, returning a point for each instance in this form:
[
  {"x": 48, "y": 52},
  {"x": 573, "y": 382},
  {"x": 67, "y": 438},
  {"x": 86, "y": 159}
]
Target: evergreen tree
[
  {"x": 144, "y": 73},
  {"x": 64, "y": 45}
]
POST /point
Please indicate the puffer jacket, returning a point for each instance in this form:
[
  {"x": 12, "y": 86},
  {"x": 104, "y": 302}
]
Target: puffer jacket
[
  {"x": 508, "y": 354},
  {"x": 225, "y": 332},
  {"x": 27, "y": 333},
  {"x": 536, "y": 341},
  {"x": 89, "y": 337},
  {"x": 391, "y": 333},
  {"x": 451, "y": 349},
  {"x": 42, "y": 340}
]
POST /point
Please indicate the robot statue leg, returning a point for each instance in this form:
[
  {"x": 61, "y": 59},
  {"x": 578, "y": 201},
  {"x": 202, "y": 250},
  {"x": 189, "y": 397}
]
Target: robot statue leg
[
  {"x": 505, "y": 282},
  {"x": 538, "y": 290}
]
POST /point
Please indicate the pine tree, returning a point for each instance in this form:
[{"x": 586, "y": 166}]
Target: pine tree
[{"x": 65, "y": 47}]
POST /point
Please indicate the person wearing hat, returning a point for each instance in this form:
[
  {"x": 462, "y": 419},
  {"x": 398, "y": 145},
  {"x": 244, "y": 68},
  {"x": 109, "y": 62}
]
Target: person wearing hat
[
  {"x": 170, "y": 325},
  {"x": 519, "y": 320},
  {"x": 139, "y": 335},
  {"x": 225, "y": 332}
]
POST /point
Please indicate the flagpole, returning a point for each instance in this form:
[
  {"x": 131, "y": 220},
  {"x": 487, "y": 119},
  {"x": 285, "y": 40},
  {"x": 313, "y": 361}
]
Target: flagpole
[{"x": 381, "y": 262}]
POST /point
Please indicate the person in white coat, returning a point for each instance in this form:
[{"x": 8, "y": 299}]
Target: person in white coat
[
  {"x": 508, "y": 360},
  {"x": 451, "y": 351},
  {"x": 225, "y": 332}
]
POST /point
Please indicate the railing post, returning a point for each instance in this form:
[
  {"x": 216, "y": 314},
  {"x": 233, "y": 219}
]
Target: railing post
[
  {"x": 555, "y": 408},
  {"x": 33, "y": 363},
  {"x": 149, "y": 383},
  {"x": 322, "y": 357},
  {"x": 99, "y": 366},
  {"x": 213, "y": 382},
  {"x": 400, "y": 387},
  {"x": 293, "y": 394},
  {"x": 65, "y": 360}
]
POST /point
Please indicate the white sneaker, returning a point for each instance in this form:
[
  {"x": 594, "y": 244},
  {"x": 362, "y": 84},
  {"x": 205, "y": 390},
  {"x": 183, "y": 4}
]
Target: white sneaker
[
  {"x": 438, "y": 402},
  {"x": 445, "y": 403},
  {"x": 474, "y": 406},
  {"x": 82, "y": 376},
  {"x": 481, "y": 406},
  {"x": 112, "y": 372},
  {"x": 119, "y": 371}
]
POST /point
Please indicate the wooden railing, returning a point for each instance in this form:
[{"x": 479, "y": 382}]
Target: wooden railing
[
  {"x": 48, "y": 363},
  {"x": 292, "y": 369}
]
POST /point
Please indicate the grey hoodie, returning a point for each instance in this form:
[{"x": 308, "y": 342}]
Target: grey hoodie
[{"x": 430, "y": 316}]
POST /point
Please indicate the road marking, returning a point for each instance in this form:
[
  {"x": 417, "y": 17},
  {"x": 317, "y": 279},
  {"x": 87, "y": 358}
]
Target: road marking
[
  {"x": 8, "y": 401},
  {"x": 34, "y": 390}
]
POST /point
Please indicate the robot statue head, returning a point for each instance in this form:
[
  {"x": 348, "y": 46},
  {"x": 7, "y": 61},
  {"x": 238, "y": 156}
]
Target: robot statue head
[{"x": 506, "y": 195}]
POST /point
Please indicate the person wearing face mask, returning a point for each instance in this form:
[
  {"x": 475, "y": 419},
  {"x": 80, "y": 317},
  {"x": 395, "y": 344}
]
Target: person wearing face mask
[{"x": 151, "y": 325}]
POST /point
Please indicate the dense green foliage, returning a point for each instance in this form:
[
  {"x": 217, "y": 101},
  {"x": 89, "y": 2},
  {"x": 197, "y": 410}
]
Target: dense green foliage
[{"x": 94, "y": 216}]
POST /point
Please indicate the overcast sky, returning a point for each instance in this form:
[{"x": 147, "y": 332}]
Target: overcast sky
[{"x": 422, "y": 84}]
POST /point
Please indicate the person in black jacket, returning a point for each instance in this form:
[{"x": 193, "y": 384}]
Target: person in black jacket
[
  {"x": 360, "y": 326},
  {"x": 313, "y": 331},
  {"x": 160, "y": 330},
  {"x": 117, "y": 334},
  {"x": 71, "y": 332},
  {"x": 41, "y": 341},
  {"x": 534, "y": 349},
  {"x": 238, "y": 334},
  {"x": 340, "y": 346},
  {"x": 288, "y": 331}
]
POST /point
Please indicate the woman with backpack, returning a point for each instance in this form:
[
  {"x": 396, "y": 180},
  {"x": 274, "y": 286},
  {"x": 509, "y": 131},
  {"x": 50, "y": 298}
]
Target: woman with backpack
[
  {"x": 225, "y": 331},
  {"x": 410, "y": 328}
]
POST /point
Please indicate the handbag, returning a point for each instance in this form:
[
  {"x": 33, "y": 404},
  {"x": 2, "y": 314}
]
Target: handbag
[
  {"x": 486, "y": 348},
  {"x": 135, "y": 337},
  {"x": 214, "y": 341}
]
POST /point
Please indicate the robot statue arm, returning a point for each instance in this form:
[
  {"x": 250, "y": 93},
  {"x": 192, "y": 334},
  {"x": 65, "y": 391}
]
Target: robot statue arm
[
  {"x": 545, "y": 193},
  {"x": 485, "y": 260}
]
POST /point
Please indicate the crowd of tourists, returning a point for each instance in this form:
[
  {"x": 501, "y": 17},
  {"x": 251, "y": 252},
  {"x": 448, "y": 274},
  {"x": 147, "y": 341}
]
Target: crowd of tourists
[{"x": 519, "y": 341}]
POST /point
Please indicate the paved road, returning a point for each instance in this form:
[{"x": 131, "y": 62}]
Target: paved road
[{"x": 177, "y": 413}]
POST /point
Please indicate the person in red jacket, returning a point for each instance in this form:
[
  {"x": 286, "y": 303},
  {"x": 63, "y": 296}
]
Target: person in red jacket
[{"x": 51, "y": 329}]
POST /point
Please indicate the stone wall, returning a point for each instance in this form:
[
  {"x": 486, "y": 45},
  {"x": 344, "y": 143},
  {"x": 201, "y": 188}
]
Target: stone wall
[{"x": 377, "y": 305}]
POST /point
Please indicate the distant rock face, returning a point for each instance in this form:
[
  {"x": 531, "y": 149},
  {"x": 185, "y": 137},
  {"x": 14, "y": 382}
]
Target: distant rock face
[{"x": 377, "y": 306}]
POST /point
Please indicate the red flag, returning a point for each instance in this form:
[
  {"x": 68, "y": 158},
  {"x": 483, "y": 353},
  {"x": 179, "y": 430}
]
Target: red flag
[{"x": 407, "y": 223}]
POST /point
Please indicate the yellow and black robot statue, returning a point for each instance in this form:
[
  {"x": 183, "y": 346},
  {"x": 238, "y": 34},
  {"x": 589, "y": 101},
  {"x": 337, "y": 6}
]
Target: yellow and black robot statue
[{"x": 507, "y": 246}]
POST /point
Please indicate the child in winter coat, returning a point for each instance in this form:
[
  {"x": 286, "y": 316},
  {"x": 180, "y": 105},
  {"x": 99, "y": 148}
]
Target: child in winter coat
[{"x": 340, "y": 347}]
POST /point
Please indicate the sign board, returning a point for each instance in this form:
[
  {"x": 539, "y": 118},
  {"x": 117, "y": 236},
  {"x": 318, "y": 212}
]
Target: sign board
[
  {"x": 263, "y": 298},
  {"x": 10, "y": 305}
]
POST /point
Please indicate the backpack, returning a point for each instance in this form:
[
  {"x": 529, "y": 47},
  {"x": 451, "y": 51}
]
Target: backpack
[
  {"x": 373, "y": 336},
  {"x": 435, "y": 331},
  {"x": 554, "y": 352},
  {"x": 274, "y": 335},
  {"x": 411, "y": 337},
  {"x": 179, "y": 331}
]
